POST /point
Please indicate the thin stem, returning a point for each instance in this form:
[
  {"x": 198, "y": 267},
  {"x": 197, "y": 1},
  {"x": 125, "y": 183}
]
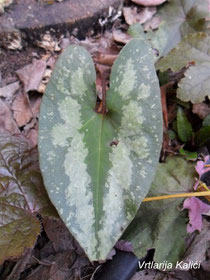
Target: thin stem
[
  {"x": 103, "y": 110},
  {"x": 177, "y": 195}
]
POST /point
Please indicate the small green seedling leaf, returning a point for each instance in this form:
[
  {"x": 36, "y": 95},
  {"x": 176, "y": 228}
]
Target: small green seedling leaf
[
  {"x": 161, "y": 224},
  {"x": 97, "y": 168},
  {"x": 171, "y": 134},
  {"x": 202, "y": 136},
  {"x": 22, "y": 196},
  {"x": 184, "y": 127},
  {"x": 188, "y": 155}
]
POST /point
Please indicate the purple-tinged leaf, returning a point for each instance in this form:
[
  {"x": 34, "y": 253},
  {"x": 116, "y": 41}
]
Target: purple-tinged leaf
[
  {"x": 22, "y": 196},
  {"x": 196, "y": 208}
]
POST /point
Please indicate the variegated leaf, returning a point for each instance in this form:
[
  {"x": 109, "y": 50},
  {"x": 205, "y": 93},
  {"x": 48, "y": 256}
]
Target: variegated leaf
[{"x": 96, "y": 185}]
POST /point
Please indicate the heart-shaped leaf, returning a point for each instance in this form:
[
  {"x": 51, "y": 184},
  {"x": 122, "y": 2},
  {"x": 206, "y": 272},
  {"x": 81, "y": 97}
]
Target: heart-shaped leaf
[{"x": 97, "y": 168}]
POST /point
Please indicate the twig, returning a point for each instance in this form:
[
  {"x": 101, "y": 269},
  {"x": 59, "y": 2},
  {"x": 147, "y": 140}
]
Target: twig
[{"x": 177, "y": 195}]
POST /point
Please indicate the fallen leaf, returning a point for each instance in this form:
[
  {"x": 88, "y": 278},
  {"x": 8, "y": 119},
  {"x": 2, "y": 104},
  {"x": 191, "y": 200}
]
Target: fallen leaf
[
  {"x": 206, "y": 263},
  {"x": 31, "y": 75},
  {"x": 33, "y": 135},
  {"x": 21, "y": 110},
  {"x": 6, "y": 120},
  {"x": 59, "y": 235},
  {"x": 60, "y": 266},
  {"x": 132, "y": 15},
  {"x": 201, "y": 109},
  {"x": 153, "y": 274},
  {"x": 148, "y": 2},
  {"x": 121, "y": 37},
  {"x": 153, "y": 23},
  {"x": 9, "y": 90},
  {"x": 20, "y": 265},
  {"x": 196, "y": 251},
  {"x": 196, "y": 208},
  {"x": 105, "y": 59},
  {"x": 35, "y": 100},
  {"x": 49, "y": 43}
]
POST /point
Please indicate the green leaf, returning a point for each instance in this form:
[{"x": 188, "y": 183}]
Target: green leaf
[
  {"x": 22, "y": 195},
  {"x": 171, "y": 134},
  {"x": 194, "y": 47},
  {"x": 184, "y": 127},
  {"x": 97, "y": 168},
  {"x": 202, "y": 136},
  {"x": 206, "y": 121},
  {"x": 183, "y": 17},
  {"x": 195, "y": 85},
  {"x": 188, "y": 155},
  {"x": 161, "y": 224}
]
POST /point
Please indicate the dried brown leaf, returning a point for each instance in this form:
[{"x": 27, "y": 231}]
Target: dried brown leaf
[
  {"x": 31, "y": 75},
  {"x": 9, "y": 90},
  {"x": 6, "y": 120},
  {"x": 153, "y": 23},
  {"x": 196, "y": 252},
  {"x": 33, "y": 135},
  {"x": 55, "y": 267},
  {"x": 21, "y": 110},
  {"x": 120, "y": 36},
  {"x": 35, "y": 102},
  {"x": 59, "y": 235},
  {"x": 132, "y": 15},
  {"x": 201, "y": 109},
  {"x": 106, "y": 59},
  {"x": 49, "y": 43}
]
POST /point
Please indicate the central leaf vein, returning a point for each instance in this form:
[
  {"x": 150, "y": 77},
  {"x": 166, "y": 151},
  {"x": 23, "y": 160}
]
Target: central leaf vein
[{"x": 97, "y": 197}]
